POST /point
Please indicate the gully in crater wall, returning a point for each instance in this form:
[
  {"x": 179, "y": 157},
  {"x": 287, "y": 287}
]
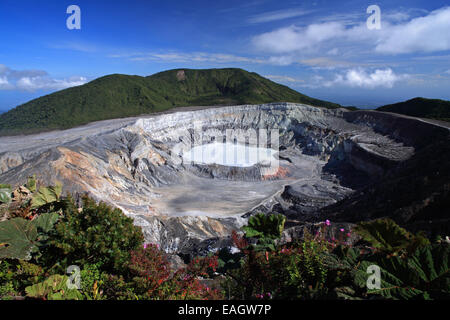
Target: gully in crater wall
[{"x": 144, "y": 165}]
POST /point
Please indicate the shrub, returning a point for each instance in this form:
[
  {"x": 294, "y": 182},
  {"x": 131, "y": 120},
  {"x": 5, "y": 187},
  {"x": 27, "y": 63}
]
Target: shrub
[
  {"x": 297, "y": 272},
  {"x": 153, "y": 279},
  {"x": 95, "y": 234},
  {"x": 152, "y": 267},
  {"x": 91, "y": 280}
]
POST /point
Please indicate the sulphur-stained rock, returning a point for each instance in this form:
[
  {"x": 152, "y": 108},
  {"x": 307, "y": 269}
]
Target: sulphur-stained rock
[{"x": 324, "y": 161}]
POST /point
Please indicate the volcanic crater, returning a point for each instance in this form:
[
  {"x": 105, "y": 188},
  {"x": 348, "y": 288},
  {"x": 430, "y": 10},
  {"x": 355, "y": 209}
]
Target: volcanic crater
[{"x": 189, "y": 177}]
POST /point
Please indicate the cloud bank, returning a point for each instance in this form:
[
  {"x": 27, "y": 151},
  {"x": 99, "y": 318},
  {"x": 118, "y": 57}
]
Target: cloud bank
[
  {"x": 33, "y": 80},
  {"x": 361, "y": 78},
  {"x": 425, "y": 34}
]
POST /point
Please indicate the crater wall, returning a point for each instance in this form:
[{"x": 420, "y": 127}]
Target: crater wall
[{"x": 137, "y": 164}]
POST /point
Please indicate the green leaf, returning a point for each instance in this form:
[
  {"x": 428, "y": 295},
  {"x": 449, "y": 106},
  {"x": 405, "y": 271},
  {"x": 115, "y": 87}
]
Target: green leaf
[
  {"x": 386, "y": 235},
  {"x": 17, "y": 237},
  {"x": 53, "y": 288},
  {"x": 265, "y": 226},
  {"x": 5, "y": 195},
  {"x": 45, "y": 222},
  {"x": 391, "y": 286},
  {"x": 251, "y": 233},
  {"x": 31, "y": 183},
  {"x": 423, "y": 275},
  {"x": 45, "y": 196},
  {"x": 346, "y": 293},
  {"x": 430, "y": 263}
]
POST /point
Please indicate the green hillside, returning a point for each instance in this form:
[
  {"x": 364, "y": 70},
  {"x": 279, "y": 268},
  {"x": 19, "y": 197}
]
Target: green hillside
[
  {"x": 421, "y": 107},
  {"x": 119, "y": 96}
]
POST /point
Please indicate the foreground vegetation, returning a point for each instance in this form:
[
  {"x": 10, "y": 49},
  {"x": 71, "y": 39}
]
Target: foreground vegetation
[
  {"x": 120, "y": 96},
  {"x": 43, "y": 236}
]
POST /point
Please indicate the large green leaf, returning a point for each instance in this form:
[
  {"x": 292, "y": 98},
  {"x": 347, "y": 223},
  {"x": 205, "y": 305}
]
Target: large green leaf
[
  {"x": 45, "y": 196},
  {"x": 44, "y": 222},
  {"x": 424, "y": 275},
  {"x": 386, "y": 235},
  {"x": 31, "y": 183},
  {"x": 430, "y": 264},
  {"x": 265, "y": 226},
  {"x": 346, "y": 293},
  {"x": 391, "y": 285},
  {"x": 17, "y": 239},
  {"x": 53, "y": 288},
  {"x": 5, "y": 195},
  {"x": 342, "y": 258}
]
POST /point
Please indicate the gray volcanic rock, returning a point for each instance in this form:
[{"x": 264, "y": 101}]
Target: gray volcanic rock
[{"x": 137, "y": 164}]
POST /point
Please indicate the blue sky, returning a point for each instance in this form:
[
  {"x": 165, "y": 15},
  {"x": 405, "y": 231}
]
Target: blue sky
[{"x": 320, "y": 48}]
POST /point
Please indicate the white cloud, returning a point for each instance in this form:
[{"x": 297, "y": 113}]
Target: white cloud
[
  {"x": 363, "y": 79},
  {"x": 282, "y": 60},
  {"x": 293, "y": 38},
  {"x": 424, "y": 34},
  {"x": 32, "y": 80},
  {"x": 277, "y": 15},
  {"x": 284, "y": 78},
  {"x": 398, "y": 34},
  {"x": 46, "y": 83},
  {"x": 174, "y": 56},
  {"x": 4, "y": 83},
  {"x": 325, "y": 63}
]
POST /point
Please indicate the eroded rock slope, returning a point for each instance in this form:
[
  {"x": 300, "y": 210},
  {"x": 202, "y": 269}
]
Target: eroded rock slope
[{"x": 324, "y": 159}]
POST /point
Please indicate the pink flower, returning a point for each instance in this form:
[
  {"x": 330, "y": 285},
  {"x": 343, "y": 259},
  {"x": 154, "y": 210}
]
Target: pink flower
[
  {"x": 327, "y": 222},
  {"x": 145, "y": 245},
  {"x": 342, "y": 229},
  {"x": 348, "y": 234}
]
